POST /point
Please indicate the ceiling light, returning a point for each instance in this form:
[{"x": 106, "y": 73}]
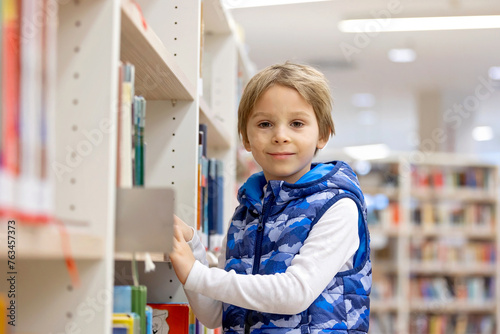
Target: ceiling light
[
  {"x": 363, "y": 100},
  {"x": 261, "y": 3},
  {"x": 494, "y": 73},
  {"x": 368, "y": 152},
  {"x": 482, "y": 133},
  {"x": 420, "y": 24},
  {"x": 402, "y": 55}
]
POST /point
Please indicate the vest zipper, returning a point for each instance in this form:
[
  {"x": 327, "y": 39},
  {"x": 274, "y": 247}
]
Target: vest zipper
[{"x": 258, "y": 253}]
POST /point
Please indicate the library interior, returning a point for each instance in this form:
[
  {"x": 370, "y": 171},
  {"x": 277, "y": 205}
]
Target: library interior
[{"x": 117, "y": 114}]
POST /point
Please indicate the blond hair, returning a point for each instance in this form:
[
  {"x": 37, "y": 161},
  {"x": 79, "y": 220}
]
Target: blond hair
[{"x": 306, "y": 80}]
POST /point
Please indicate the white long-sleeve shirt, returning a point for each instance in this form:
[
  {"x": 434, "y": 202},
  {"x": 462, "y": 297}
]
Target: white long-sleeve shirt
[{"x": 328, "y": 249}]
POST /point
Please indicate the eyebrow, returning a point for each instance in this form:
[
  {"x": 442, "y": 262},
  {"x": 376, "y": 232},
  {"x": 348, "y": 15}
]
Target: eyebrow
[{"x": 298, "y": 113}]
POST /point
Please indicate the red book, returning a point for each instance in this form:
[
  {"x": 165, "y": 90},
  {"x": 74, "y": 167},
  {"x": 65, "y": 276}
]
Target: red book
[
  {"x": 170, "y": 318},
  {"x": 438, "y": 181},
  {"x": 10, "y": 79}
]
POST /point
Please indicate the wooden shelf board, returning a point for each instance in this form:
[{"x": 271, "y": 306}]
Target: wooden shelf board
[
  {"x": 157, "y": 76},
  {"x": 455, "y": 269},
  {"x": 215, "y": 18},
  {"x": 446, "y": 231},
  {"x": 383, "y": 306},
  {"x": 44, "y": 242},
  {"x": 376, "y": 230},
  {"x": 386, "y": 266},
  {"x": 391, "y": 192},
  {"x": 453, "y": 306},
  {"x": 155, "y": 257},
  {"x": 217, "y": 133},
  {"x": 469, "y": 195}
]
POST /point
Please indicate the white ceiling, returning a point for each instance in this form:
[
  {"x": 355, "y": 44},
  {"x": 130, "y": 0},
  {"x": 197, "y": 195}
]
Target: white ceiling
[{"x": 448, "y": 61}]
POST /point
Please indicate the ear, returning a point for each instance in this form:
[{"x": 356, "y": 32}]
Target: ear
[
  {"x": 321, "y": 143},
  {"x": 246, "y": 144}
]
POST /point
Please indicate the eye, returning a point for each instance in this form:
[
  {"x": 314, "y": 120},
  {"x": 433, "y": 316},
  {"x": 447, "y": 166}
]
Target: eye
[
  {"x": 297, "y": 124},
  {"x": 264, "y": 125}
]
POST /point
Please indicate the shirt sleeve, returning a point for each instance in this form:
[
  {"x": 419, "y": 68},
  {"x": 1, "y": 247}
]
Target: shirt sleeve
[
  {"x": 207, "y": 310},
  {"x": 331, "y": 243}
]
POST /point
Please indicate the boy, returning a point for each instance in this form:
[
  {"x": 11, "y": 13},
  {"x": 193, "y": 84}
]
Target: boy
[{"x": 297, "y": 250}]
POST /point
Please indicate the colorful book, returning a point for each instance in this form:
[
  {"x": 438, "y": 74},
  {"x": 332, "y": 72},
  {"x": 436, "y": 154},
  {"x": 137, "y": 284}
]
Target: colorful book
[
  {"x": 139, "y": 112},
  {"x": 139, "y": 299},
  {"x": 129, "y": 321},
  {"x": 171, "y": 318},
  {"x": 131, "y": 299},
  {"x": 125, "y": 126}
]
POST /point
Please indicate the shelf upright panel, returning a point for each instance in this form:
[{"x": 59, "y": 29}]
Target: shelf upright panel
[
  {"x": 83, "y": 169},
  {"x": 221, "y": 62},
  {"x": 403, "y": 266},
  {"x": 171, "y": 133}
]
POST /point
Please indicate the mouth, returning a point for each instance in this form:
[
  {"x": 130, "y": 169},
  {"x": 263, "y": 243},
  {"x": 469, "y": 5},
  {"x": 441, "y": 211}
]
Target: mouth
[{"x": 281, "y": 155}]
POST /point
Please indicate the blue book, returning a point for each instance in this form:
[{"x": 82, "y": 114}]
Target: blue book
[
  {"x": 122, "y": 299},
  {"x": 212, "y": 196},
  {"x": 220, "y": 197},
  {"x": 149, "y": 319},
  {"x": 120, "y": 330}
]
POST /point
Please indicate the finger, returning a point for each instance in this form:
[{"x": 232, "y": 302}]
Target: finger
[
  {"x": 178, "y": 221},
  {"x": 178, "y": 234}
]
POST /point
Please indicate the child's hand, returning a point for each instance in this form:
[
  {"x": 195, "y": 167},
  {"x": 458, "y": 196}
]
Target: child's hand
[
  {"x": 182, "y": 257},
  {"x": 187, "y": 231}
]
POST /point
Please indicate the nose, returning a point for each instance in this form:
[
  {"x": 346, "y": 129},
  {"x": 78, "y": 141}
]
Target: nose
[{"x": 280, "y": 135}]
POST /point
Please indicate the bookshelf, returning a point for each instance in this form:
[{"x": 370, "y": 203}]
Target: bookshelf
[
  {"x": 434, "y": 226},
  {"x": 165, "y": 41}
]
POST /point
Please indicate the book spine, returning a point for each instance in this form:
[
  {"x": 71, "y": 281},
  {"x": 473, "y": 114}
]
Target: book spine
[{"x": 139, "y": 123}]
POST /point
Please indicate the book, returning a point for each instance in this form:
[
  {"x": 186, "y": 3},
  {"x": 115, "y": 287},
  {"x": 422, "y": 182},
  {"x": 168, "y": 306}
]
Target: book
[
  {"x": 149, "y": 320},
  {"x": 215, "y": 204},
  {"x": 139, "y": 299},
  {"x": 122, "y": 299},
  {"x": 139, "y": 112},
  {"x": 131, "y": 299},
  {"x": 171, "y": 318},
  {"x": 125, "y": 123},
  {"x": 9, "y": 159},
  {"x": 129, "y": 321},
  {"x": 120, "y": 329},
  {"x": 203, "y": 229},
  {"x": 28, "y": 109}
]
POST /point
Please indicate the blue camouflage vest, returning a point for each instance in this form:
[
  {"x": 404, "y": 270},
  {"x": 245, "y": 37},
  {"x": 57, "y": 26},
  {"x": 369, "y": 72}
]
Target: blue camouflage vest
[{"x": 265, "y": 235}]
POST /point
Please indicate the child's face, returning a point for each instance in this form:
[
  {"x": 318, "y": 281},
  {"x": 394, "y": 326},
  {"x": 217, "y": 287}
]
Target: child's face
[{"x": 283, "y": 134}]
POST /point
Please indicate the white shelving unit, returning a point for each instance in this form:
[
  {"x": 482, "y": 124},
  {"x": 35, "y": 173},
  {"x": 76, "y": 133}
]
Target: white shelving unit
[{"x": 163, "y": 40}]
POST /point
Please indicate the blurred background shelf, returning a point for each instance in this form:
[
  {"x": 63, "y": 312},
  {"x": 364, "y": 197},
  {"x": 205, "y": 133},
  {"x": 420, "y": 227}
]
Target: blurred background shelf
[
  {"x": 487, "y": 306},
  {"x": 45, "y": 242}
]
